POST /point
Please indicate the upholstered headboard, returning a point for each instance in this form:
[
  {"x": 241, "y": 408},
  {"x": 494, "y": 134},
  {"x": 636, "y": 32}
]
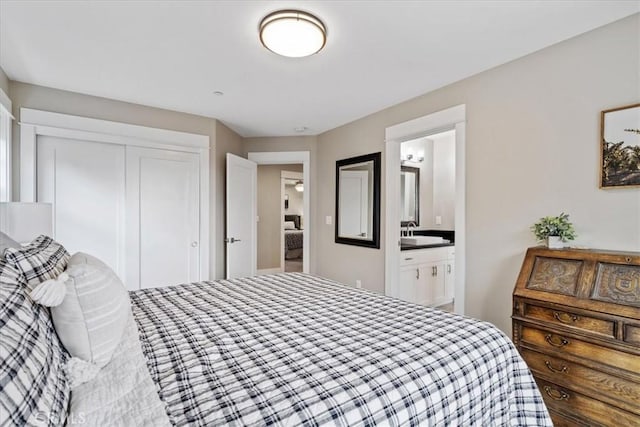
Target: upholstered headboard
[{"x": 294, "y": 218}]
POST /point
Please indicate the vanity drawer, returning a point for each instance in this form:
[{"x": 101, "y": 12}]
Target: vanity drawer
[
  {"x": 548, "y": 340},
  {"x": 566, "y": 318},
  {"x": 593, "y": 412},
  {"x": 420, "y": 256},
  {"x": 591, "y": 382}
]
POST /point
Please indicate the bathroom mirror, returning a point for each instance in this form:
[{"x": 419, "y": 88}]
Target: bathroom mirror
[
  {"x": 358, "y": 201},
  {"x": 409, "y": 195}
]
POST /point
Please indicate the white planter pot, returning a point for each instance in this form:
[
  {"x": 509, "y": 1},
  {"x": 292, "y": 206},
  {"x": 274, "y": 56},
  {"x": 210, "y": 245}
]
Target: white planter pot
[{"x": 554, "y": 242}]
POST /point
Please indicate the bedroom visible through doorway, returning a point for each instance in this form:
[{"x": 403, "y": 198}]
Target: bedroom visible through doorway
[
  {"x": 292, "y": 189},
  {"x": 280, "y": 218}
]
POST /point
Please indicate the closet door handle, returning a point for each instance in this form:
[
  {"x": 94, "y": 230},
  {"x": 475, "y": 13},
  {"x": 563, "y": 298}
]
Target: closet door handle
[
  {"x": 417, "y": 273},
  {"x": 449, "y": 268}
]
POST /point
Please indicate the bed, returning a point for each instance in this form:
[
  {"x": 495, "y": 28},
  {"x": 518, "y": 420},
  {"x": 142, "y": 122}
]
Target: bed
[
  {"x": 285, "y": 350},
  {"x": 293, "y": 237}
]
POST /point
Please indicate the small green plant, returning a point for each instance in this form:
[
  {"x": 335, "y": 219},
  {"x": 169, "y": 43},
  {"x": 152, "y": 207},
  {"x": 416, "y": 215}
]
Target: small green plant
[{"x": 554, "y": 226}]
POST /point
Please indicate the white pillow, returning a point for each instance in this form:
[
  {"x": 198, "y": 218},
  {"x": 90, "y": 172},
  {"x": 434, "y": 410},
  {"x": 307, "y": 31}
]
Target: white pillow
[
  {"x": 289, "y": 225},
  {"x": 93, "y": 315}
]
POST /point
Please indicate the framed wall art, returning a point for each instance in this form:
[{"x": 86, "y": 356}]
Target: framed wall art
[{"x": 620, "y": 147}]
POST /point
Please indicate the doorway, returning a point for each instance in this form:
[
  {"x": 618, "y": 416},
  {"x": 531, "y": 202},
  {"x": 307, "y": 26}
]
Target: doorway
[
  {"x": 452, "y": 119},
  {"x": 288, "y": 158},
  {"x": 292, "y": 216}
]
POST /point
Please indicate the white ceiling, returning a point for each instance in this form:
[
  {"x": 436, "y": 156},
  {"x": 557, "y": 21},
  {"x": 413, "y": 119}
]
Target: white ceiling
[{"x": 174, "y": 55}]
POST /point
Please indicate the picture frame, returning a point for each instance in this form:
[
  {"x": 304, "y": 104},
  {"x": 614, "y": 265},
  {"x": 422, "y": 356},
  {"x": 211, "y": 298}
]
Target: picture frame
[{"x": 620, "y": 147}]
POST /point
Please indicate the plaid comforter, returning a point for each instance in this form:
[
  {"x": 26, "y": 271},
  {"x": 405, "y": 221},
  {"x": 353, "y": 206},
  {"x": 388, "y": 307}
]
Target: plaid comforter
[{"x": 294, "y": 349}]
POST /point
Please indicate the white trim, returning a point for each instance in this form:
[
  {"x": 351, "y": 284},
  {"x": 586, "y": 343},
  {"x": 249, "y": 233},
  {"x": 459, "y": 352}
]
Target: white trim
[
  {"x": 426, "y": 125},
  {"x": 294, "y": 157},
  {"x": 5, "y": 148},
  {"x": 78, "y": 123},
  {"x": 268, "y": 271},
  {"x": 36, "y": 123},
  {"x": 451, "y": 118},
  {"x": 5, "y": 101}
]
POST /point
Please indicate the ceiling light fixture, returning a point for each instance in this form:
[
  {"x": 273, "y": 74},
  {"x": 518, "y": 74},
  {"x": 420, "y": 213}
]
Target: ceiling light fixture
[
  {"x": 299, "y": 186},
  {"x": 292, "y": 33}
]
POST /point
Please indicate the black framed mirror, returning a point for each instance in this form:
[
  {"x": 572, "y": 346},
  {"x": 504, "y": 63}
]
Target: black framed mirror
[
  {"x": 409, "y": 195},
  {"x": 358, "y": 201}
]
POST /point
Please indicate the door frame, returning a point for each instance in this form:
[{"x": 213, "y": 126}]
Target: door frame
[
  {"x": 34, "y": 123},
  {"x": 395, "y": 135},
  {"x": 288, "y": 158}
]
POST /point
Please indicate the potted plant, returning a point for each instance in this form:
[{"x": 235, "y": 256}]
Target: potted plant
[{"x": 554, "y": 230}]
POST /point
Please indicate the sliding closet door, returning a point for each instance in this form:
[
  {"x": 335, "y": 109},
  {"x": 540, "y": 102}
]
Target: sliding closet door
[
  {"x": 163, "y": 220},
  {"x": 85, "y": 182}
]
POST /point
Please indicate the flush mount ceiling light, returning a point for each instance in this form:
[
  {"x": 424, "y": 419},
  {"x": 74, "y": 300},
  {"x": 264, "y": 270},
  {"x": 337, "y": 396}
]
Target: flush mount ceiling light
[
  {"x": 292, "y": 33},
  {"x": 299, "y": 186}
]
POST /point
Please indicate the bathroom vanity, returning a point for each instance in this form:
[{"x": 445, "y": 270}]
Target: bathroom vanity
[{"x": 427, "y": 273}]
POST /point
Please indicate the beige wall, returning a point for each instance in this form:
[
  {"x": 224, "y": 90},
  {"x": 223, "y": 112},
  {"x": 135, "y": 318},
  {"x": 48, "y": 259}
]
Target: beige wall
[
  {"x": 269, "y": 209},
  {"x": 296, "y": 143},
  {"x": 532, "y": 150},
  {"x": 222, "y": 139}
]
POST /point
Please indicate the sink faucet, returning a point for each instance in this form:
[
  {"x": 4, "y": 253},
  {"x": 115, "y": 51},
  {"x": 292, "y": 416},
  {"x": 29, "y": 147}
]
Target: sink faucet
[{"x": 410, "y": 224}]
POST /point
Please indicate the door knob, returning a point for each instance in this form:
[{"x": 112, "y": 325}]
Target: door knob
[{"x": 194, "y": 244}]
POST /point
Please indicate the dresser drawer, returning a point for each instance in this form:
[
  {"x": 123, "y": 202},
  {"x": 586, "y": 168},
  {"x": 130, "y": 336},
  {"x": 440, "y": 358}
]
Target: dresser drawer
[
  {"x": 566, "y": 345},
  {"x": 590, "y": 411},
  {"x": 567, "y": 318},
  {"x": 602, "y": 386}
]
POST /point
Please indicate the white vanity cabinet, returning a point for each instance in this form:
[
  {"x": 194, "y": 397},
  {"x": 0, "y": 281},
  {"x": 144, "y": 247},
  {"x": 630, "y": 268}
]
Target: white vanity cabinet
[{"x": 427, "y": 276}]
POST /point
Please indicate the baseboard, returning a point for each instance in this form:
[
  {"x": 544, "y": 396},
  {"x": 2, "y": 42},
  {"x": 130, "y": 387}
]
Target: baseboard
[{"x": 269, "y": 271}]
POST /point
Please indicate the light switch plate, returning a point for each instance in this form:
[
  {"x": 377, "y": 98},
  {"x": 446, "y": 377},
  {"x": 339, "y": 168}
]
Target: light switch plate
[{"x": 328, "y": 220}]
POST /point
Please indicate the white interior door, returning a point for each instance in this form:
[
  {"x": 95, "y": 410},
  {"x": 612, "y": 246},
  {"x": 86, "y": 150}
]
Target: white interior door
[
  {"x": 85, "y": 182},
  {"x": 163, "y": 217},
  {"x": 242, "y": 211}
]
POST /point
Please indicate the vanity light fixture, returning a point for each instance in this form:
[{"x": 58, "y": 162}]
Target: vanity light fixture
[
  {"x": 409, "y": 158},
  {"x": 299, "y": 186},
  {"x": 292, "y": 33}
]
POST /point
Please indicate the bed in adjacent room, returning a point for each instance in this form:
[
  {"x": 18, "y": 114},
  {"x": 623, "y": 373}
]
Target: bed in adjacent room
[
  {"x": 286, "y": 349},
  {"x": 293, "y": 237}
]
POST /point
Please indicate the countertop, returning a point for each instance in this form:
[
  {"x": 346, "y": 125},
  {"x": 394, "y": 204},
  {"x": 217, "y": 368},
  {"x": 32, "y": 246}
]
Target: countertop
[{"x": 413, "y": 247}]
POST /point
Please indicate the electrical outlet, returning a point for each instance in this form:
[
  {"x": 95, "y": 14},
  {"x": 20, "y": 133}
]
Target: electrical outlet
[
  {"x": 438, "y": 220},
  {"x": 358, "y": 284}
]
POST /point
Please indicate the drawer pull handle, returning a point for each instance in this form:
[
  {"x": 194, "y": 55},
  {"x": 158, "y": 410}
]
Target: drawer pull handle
[
  {"x": 556, "y": 394},
  {"x": 549, "y": 366},
  {"x": 565, "y": 317},
  {"x": 556, "y": 341},
  {"x": 408, "y": 259}
]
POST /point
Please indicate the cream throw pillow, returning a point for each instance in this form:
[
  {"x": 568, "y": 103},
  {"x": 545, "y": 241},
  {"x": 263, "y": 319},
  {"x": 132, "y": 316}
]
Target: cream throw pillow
[{"x": 93, "y": 315}]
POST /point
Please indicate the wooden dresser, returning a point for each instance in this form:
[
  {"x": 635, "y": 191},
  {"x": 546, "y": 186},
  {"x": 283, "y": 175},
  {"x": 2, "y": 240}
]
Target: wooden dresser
[{"x": 576, "y": 322}]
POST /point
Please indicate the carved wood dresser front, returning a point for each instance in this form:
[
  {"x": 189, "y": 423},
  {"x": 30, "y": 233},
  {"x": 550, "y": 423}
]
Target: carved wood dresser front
[{"x": 576, "y": 322}]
